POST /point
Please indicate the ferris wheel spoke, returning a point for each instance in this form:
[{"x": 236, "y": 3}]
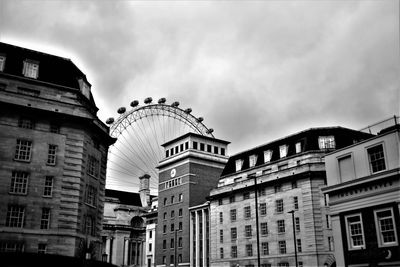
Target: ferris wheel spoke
[
  {"x": 134, "y": 152},
  {"x": 141, "y": 145},
  {"x": 131, "y": 163}
]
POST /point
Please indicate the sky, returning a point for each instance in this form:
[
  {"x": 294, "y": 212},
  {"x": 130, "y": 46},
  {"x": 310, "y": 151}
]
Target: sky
[{"x": 255, "y": 70}]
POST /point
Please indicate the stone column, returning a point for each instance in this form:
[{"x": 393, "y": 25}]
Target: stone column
[
  {"x": 126, "y": 251},
  {"x": 204, "y": 237},
  {"x": 197, "y": 240},
  {"x": 107, "y": 250}
]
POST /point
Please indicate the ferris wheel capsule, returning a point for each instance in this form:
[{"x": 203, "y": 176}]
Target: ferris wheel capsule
[
  {"x": 110, "y": 120},
  {"x": 211, "y": 130},
  {"x": 188, "y": 110},
  {"x": 121, "y": 110},
  {"x": 162, "y": 100},
  {"x": 148, "y": 100},
  {"x": 134, "y": 103},
  {"x": 199, "y": 119},
  {"x": 175, "y": 104}
]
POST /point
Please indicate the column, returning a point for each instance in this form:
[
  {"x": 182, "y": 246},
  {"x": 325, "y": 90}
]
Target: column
[
  {"x": 107, "y": 250},
  {"x": 126, "y": 251},
  {"x": 197, "y": 240},
  {"x": 204, "y": 238},
  {"x": 191, "y": 237}
]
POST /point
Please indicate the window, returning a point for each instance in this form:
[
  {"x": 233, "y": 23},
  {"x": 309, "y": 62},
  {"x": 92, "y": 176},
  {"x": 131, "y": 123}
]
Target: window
[
  {"x": 220, "y": 201},
  {"x": 15, "y": 216},
  {"x": 48, "y": 186},
  {"x": 297, "y": 224},
  {"x": 355, "y": 232},
  {"x": 180, "y": 213},
  {"x": 164, "y": 244},
  {"x": 19, "y": 183},
  {"x": 150, "y": 247},
  {"x": 209, "y": 148},
  {"x": 247, "y": 212},
  {"x": 294, "y": 184},
  {"x": 234, "y": 251},
  {"x": 221, "y": 236},
  {"x": 282, "y": 247},
  {"x": 180, "y": 197},
  {"x": 267, "y": 156},
  {"x": 171, "y": 259},
  {"x": 90, "y": 225},
  {"x": 326, "y": 142},
  {"x": 278, "y": 188},
  {"x": 232, "y": 199},
  {"x": 328, "y": 219},
  {"x": 233, "y": 215},
  {"x": 281, "y": 226},
  {"x": 45, "y": 220},
  {"x": 180, "y": 243},
  {"x": 296, "y": 203},
  {"x": 298, "y": 147},
  {"x": 2, "y": 62},
  {"x": 300, "y": 264},
  {"x": 239, "y": 164},
  {"x": 385, "y": 227},
  {"x": 164, "y": 260},
  {"x": 172, "y": 244},
  {"x": 221, "y": 253},
  {"x": 181, "y": 147},
  {"x": 376, "y": 158},
  {"x": 246, "y": 195},
  {"x": 42, "y": 248},
  {"x": 31, "y": 69},
  {"x": 11, "y": 247},
  {"x": 264, "y": 248},
  {"x": 150, "y": 234},
  {"x": 249, "y": 250},
  {"x": 164, "y": 229},
  {"x": 346, "y": 168},
  {"x": 172, "y": 213},
  {"x": 283, "y": 264},
  {"x": 186, "y": 145},
  {"x": 26, "y": 123},
  {"x": 252, "y": 160},
  {"x": 283, "y": 151},
  {"x": 247, "y": 231},
  {"x": 165, "y": 201},
  {"x": 261, "y": 192},
  {"x": 23, "y": 150},
  {"x": 202, "y": 146},
  {"x": 264, "y": 228},
  {"x": 179, "y": 258},
  {"x": 263, "y": 209},
  {"x": 166, "y": 153},
  {"x": 221, "y": 217},
  {"x": 93, "y": 166},
  {"x": 91, "y": 195},
  {"x": 172, "y": 227},
  {"x": 222, "y": 151},
  {"x": 299, "y": 248},
  {"x": 176, "y": 149},
  {"x": 51, "y": 154},
  {"x": 233, "y": 233},
  {"x": 330, "y": 243},
  {"x": 165, "y": 216},
  {"x": 180, "y": 226},
  {"x": 279, "y": 205},
  {"x": 215, "y": 150},
  {"x": 172, "y": 199}
]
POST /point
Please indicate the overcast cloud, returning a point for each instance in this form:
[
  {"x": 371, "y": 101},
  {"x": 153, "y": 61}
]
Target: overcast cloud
[{"x": 255, "y": 70}]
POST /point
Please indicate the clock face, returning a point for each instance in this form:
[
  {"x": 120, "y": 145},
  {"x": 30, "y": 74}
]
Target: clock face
[{"x": 173, "y": 173}]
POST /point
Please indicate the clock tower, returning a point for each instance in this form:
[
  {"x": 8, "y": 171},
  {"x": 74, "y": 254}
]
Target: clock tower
[{"x": 192, "y": 166}]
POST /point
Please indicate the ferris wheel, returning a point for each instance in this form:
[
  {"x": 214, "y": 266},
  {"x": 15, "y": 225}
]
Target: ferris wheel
[{"x": 140, "y": 132}]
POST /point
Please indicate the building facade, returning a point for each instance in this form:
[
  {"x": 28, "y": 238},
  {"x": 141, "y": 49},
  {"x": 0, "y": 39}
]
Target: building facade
[
  {"x": 266, "y": 185},
  {"x": 151, "y": 228},
  {"x": 200, "y": 235},
  {"x": 364, "y": 199},
  {"x": 191, "y": 168},
  {"x": 53, "y": 156}
]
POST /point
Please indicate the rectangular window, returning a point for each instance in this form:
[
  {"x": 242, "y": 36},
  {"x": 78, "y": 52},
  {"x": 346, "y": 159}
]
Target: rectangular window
[
  {"x": 172, "y": 227},
  {"x": 54, "y": 128},
  {"x": 221, "y": 218},
  {"x": 267, "y": 156},
  {"x": 234, "y": 251},
  {"x": 232, "y": 199},
  {"x": 297, "y": 224},
  {"x": 186, "y": 145},
  {"x": 172, "y": 213},
  {"x": 283, "y": 151},
  {"x": 150, "y": 247},
  {"x": 233, "y": 233},
  {"x": 263, "y": 209},
  {"x": 164, "y": 244},
  {"x": 31, "y": 69},
  {"x": 15, "y": 216},
  {"x": 278, "y": 188},
  {"x": 247, "y": 212},
  {"x": 91, "y": 195},
  {"x": 299, "y": 248},
  {"x": 221, "y": 236},
  {"x": 48, "y": 186},
  {"x": 239, "y": 164},
  {"x": 171, "y": 259},
  {"x": 11, "y": 247},
  {"x": 222, "y": 151},
  {"x": 376, "y": 158},
  {"x": 26, "y": 123},
  {"x": 220, "y": 201},
  {"x": 215, "y": 150},
  {"x": 296, "y": 203},
  {"x": 209, "y": 148},
  {"x": 180, "y": 197},
  {"x": 346, "y": 168},
  {"x": 164, "y": 229},
  {"x": 233, "y": 215},
  {"x": 282, "y": 247},
  {"x": 180, "y": 226},
  {"x": 93, "y": 166},
  {"x": 385, "y": 227},
  {"x": 294, "y": 184},
  {"x": 52, "y": 154},
  {"x": 90, "y": 225},
  {"x": 180, "y": 242},
  {"x": 202, "y": 147},
  {"x": 42, "y": 248},
  {"x": 330, "y": 243},
  {"x": 180, "y": 213},
  {"x": 248, "y": 231},
  {"x": 249, "y": 250},
  {"x": 45, "y": 220},
  {"x": 19, "y": 183},
  {"x": 252, "y": 160},
  {"x": 2, "y": 62},
  {"x": 166, "y": 153},
  {"x": 264, "y": 248},
  {"x": 246, "y": 195},
  {"x": 181, "y": 147},
  {"x": 172, "y": 244},
  {"x": 281, "y": 226},
  {"x": 23, "y": 150},
  {"x": 264, "y": 228},
  {"x": 298, "y": 147},
  {"x": 355, "y": 232},
  {"x": 326, "y": 142},
  {"x": 221, "y": 253},
  {"x": 279, "y": 205},
  {"x": 328, "y": 219}
]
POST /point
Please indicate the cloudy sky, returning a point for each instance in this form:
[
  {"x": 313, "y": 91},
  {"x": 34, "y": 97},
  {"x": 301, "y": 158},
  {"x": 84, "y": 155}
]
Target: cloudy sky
[{"x": 255, "y": 70}]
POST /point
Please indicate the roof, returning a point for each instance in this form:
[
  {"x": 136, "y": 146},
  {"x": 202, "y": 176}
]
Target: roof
[
  {"x": 127, "y": 198},
  {"x": 195, "y": 135},
  {"x": 309, "y": 142}
]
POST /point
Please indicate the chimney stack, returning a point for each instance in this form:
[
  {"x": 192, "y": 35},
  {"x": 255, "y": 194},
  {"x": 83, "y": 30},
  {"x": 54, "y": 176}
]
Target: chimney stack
[{"x": 144, "y": 190}]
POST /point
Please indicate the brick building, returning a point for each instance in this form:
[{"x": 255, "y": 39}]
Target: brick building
[
  {"x": 191, "y": 168},
  {"x": 287, "y": 175},
  {"x": 363, "y": 185},
  {"x": 53, "y": 156}
]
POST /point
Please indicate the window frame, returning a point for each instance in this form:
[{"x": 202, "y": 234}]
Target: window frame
[
  {"x": 30, "y": 68},
  {"x": 248, "y": 231},
  {"x": 15, "y": 220},
  {"x": 52, "y": 154},
  {"x": 282, "y": 249},
  {"x": 19, "y": 183},
  {"x": 326, "y": 142},
  {"x": 348, "y": 234},
  {"x": 279, "y": 206},
  {"x": 281, "y": 228},
  {"x": 370, "y": 163},
  {"x": 23, "y": 150},
  {"x": 45, "y": 219},
  {"x": 379, "y": 235},
  {"x": 48, "y": 186},
  {"x": 3, "y": 59}
]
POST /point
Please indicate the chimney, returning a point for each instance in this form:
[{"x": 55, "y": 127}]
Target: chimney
[{"x": 144, "y": 190}]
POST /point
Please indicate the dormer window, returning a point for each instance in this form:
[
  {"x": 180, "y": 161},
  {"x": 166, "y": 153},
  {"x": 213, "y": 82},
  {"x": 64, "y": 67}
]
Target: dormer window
[
  {"x": 2, "y": 62},
  {"x": 267, "y": 156},
  {"x": 85, "y": 88},
  {"x": 239, "y": 164},
  {"x": 326, "y": 142},
  {"x": 298, "y": 147},
  {"x": 283, "y": 151},
  {"x": 252, "y": 160},
  {"x": 31, "y": 69}
]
